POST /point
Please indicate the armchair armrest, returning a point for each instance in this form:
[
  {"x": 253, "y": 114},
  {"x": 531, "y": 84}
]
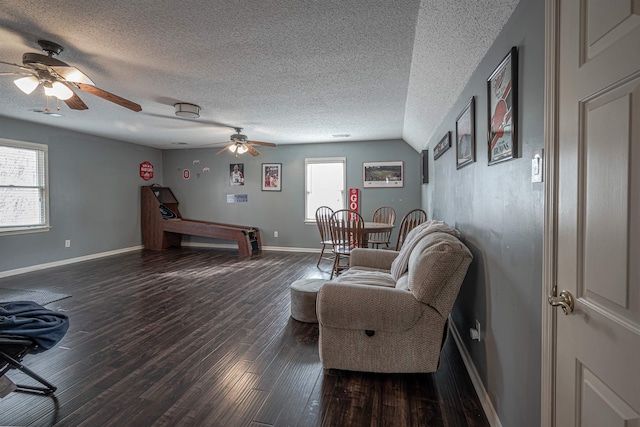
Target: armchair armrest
[
  {"x": 372, "y": 258},
  {"x": 367, "y": 307}
]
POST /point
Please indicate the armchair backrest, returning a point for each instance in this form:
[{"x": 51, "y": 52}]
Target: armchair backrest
[{"x": 437, "y": 266}]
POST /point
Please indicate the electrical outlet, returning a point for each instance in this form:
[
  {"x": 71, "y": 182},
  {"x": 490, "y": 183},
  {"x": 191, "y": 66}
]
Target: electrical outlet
[
  {"x": 275, "y": 234},
  {"x": 67, "y": 243},
  {"x": 475, "y": 332}
]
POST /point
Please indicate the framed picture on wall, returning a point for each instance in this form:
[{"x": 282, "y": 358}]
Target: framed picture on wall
[
  {"x": 465, "y": 136},
  {"x": 502, "y": 88},
  {"x": 383, "y": 174},
  {"x": 442, "y": 146},
  {"x": 424, "y": 166},
  {"x": 271, "y": 177},
  {"x": 236, "y": 174}
]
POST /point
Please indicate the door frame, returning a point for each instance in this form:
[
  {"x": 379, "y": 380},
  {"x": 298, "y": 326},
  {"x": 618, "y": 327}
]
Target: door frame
[{"x": 549, "y": 246}]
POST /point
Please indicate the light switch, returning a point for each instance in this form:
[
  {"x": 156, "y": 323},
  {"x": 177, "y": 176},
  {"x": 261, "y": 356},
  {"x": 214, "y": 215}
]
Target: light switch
[{"x": 537, "y": 166}]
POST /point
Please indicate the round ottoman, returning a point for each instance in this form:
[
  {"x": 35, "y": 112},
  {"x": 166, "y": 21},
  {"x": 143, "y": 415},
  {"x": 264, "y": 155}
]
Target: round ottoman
[{"x": 303, "y": 299}]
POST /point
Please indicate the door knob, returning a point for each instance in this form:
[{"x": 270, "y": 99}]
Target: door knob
[{"x": 565, "y": 300}]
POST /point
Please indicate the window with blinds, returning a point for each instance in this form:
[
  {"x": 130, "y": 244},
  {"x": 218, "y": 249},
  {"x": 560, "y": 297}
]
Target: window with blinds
[{"x": 23, "y": 187}]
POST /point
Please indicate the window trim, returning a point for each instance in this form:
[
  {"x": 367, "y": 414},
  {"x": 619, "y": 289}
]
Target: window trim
[
  {"x": 317, "y": 160},
  {"x": 46, "y": 226}
]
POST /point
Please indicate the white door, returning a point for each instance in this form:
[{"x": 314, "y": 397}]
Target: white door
[{"x": 597, "y": 239}]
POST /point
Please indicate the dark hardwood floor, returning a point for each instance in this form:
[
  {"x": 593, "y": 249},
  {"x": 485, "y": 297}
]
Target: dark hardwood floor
[{"x": 202, "y": 337}]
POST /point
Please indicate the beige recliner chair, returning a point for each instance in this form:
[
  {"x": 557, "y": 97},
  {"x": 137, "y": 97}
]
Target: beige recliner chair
[{"x": 372, "y": 322}]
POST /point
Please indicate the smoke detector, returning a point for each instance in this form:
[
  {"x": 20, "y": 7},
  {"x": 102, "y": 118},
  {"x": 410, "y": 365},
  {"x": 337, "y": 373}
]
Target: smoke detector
[{"x": 189, "y": 111}]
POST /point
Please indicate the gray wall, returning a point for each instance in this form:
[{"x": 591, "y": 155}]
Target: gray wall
[
  {"x": 204, "y": 198},
  {"x": 94, "y": 191},
  {"x": 500, "y": 213}
]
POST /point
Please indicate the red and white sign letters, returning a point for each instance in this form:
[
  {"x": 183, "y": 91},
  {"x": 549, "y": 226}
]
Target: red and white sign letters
[
  {"x": 146, "y": 171},
  {"x": 354, "y": 199}
]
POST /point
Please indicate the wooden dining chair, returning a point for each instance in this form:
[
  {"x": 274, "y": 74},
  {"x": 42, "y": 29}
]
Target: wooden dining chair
[
  {"x": 347, "y": 233},
  {"x": 385, "y": 215},
  {"x": 323, "y": 214},
  {"x": 409, "y": 221}
]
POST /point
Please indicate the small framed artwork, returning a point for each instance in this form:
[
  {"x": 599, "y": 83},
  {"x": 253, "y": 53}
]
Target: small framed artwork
[
  {"x": 442, "y": 146},
  {"x": 502, "y": 87},
  {"x": 272, "y": 177},
  {"x": 236, "y": 174},
  {"x": 383, "y": 174},
  {"x": 424, "y": 167},
  {"x": 466, "y": 136}
]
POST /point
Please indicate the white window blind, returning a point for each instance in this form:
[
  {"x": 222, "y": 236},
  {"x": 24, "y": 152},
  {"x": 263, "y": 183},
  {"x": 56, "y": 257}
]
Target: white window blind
[
  {"x": 23, "y": 187},
  {"x": 325, "y": 181}
]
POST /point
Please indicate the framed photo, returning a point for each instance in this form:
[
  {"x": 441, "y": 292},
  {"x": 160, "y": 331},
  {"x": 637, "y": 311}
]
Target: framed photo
[
  {"x": 502, "y": 87},
  {"x": 442, "y": 146},
  {"x": 272, "y": 177},
  {"x": 236, "y": 174},
  {"x": 424, "y": 166},
  {"x": 383, "y": 174},
  {"x": 466, "y": 135}
]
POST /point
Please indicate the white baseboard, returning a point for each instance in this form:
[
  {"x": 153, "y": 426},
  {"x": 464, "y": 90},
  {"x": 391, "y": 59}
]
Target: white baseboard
[
  {"x": 31, "y": 268},
  {"x": 485, "y": 400}
]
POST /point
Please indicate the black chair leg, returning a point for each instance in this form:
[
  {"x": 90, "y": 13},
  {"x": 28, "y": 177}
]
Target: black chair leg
[{"x": 46, "y": 390}]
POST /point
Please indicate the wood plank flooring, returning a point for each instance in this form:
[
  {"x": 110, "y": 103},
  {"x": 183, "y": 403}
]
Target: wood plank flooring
[{"x": 203, "y": 337}]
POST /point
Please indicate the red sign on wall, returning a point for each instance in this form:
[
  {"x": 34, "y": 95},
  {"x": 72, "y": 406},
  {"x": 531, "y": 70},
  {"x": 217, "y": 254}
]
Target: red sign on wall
[
  {"x": 354, "y": 199},
  {"x": 146, "y": 171}
]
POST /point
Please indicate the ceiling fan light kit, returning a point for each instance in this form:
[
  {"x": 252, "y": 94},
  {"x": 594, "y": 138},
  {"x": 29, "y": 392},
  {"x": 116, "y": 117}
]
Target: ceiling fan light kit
[
  {"x": 58, "y": 90},
  {"x": 238, "y": 148},
  {"x": 27, "y": 84},
  {"x": 240, "y": 144},
  {"x": 189, "y": 111}
]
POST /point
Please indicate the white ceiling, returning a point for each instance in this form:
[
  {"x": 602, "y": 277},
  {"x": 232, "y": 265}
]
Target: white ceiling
[{"x": 286, "y": 71}]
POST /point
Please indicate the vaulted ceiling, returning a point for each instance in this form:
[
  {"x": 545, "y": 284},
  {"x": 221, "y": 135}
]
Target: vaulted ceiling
[{"x": 286, "y": 71}]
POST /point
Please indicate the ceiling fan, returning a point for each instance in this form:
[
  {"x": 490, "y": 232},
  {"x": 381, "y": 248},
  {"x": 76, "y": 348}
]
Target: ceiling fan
[
  {"x": 59, "y": 78},
  {"x": 240, "y": 144}
]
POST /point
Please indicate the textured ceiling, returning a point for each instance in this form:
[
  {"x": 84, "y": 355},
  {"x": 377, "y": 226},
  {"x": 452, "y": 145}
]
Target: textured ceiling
[{"x": 285, "y": 71}]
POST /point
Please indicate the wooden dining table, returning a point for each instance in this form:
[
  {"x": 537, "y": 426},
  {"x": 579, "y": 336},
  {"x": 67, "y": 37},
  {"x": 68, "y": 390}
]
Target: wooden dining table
[{"x": 374, "y": 227}]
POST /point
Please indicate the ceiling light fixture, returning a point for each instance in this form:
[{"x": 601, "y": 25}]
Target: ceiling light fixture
[
  {"x": 189, "y": 111},
  {"x": 58, "y": 90},
  {"x": 238, "y": 148},
  {"x": 27, "y": 84}
]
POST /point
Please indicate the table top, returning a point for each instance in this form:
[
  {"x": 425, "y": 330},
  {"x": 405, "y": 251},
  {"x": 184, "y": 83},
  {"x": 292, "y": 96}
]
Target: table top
[{"x": 377, "y": 227}]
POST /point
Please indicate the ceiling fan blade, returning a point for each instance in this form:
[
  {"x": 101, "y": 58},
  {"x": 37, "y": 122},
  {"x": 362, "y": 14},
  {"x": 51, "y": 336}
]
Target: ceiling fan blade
[
  {"x": 109, "y": 96},
  {"x": 252, "y": 150},
  {"x": 75, "y": 103},
  {"x": 17, "y": 73},
  {"x": 226, "y": 147},
  {"x": 72, "y": 74},
  {"x": 266, "y": 144},
  {"x": 15, "y": 65}
]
